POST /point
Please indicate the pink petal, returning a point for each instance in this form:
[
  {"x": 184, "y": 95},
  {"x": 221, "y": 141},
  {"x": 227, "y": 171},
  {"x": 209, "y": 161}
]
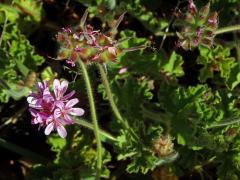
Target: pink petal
[
  {"x": 59, "y": 104},
  {"x": 31, "y": 100},
  {"x": 46, "y": 92},
  {"x": 64, "y": 86},
  {"x": 71, "y": 103},
  {"x": 33, "y": 112},
  {"x": 57, "y": 113},
  {"x": 40, "y": 86},
  {"x": 49, "y": 119},
  {"x": 69, "y": 95},
  {"x": 112, "y": 50},
  {"x": 67, "y": 119},
  {"x": 61, "y": 131},
  {"x": 56, "y": 87},
  {"x": 49, "y": 128},
  {"x": 76, "y": 111},
  {"x": 34, "y": 103},
  {"x": 122, "y": 70},
  {"x": 34, "y": 121}
]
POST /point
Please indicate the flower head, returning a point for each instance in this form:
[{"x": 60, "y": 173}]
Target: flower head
[
  {"x": 53, "y": 110},
  {"x": 199, "y": 27},
  {"x": 88, "y": 44}
]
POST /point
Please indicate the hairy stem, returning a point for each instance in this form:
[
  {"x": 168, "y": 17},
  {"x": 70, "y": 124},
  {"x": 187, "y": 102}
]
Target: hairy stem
[
  {"x": 112, "y": 103},
  {"x": 228, "y": 29},
  {"x": 224, "y": 123},
  {"x": 4, "y": 27},
  {"x": 94, "y": 117}
]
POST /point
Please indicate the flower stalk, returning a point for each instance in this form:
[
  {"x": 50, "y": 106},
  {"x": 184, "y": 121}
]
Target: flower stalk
[
  {"x": 112, "y": 102},
  {"x": 228, "y": 29},
  {"x": 93, "y": 116},
  {"x": 90, "y": 126}
]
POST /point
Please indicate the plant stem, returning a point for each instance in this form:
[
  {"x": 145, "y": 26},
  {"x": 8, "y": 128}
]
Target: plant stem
[
  {"x": 226, "y": 123},
  {"x": 90, "y": 126},
  {"x": 4, "y": 28},
  {"x": 94, "y": 117},
  {"x": 228, "y": 29},
  {"x": 112, "y": 103}
]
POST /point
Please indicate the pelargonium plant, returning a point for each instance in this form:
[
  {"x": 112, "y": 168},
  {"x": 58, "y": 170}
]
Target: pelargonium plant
[{"x": 53, "y": 110}]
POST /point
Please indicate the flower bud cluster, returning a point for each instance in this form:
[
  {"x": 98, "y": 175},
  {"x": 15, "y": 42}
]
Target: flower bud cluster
[
  {"x": 86, "y": 44},
  {"x": 199, "y": 27}
]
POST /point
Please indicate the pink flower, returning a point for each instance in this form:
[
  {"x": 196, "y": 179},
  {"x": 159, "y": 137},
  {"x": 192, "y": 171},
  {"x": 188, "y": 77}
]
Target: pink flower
[
  {"x": 35, "y": 99},
  {"x": 64, "y": 111},
  {"x": 53, "y": 110},
  {"x": 55, "y": 123},
  {"x": 123, "y": 70},
  {"x": 36, "y": 116},
  {"x": 60, "y": 89}
]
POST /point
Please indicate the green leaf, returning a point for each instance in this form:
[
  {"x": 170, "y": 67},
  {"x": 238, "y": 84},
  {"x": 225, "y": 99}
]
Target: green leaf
[
  {"x": 174, "y": 65},
  {"x": 22, "y": 68},
  {"x": 180, "y": 139},
  {"x": 30, "y": 7},
  {"x": 234, "y": 77},
  {"x": 48, "y": 74},
  {"x": 218, "y": 60}
]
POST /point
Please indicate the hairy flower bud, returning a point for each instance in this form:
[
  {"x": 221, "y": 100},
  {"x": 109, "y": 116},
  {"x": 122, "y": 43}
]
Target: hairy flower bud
[
  {"x": 203, "y": 13},
  {"x": 213, "y": 20},
  {"x": 192, "y": 7},
  {"x": 163, "y": 146}
]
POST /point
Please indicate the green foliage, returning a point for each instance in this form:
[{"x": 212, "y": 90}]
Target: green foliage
[
  {"x": 218, "y": 61},
  {"x": 18, "y": 60},
  {"x": 180, "y": 109},
  {"x": 18, "y": 57},
  {"x": 75, "y": 158}
]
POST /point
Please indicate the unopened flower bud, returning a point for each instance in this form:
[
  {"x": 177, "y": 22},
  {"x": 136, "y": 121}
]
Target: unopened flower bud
[
  {"x": 192, "y": 7},
  {"x": 204, "y": 12},
  {"x": 190, "y": 18},
  {"x": 163, "y": 146},
  {"x": 213, "y": 20}
]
